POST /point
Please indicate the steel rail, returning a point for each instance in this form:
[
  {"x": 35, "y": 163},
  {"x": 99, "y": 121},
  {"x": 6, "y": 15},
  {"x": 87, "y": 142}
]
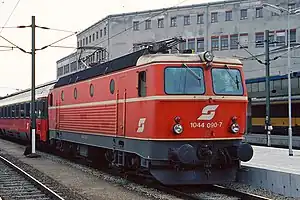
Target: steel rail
[{"x": 36, "y": 182}]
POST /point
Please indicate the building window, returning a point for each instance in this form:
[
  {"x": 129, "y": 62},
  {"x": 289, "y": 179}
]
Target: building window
[
  {"x": 214, "y": 17},
  {"x": 280, "y": 38},
  {"x": 148, "y": 24},
  {"x": 191, "y": 44},
  {"x": 272, "y": 39},
  {"x": 66, "y": 69},
  {"x": 101, "y": 34},
  {"x": 80, "y": 43},
  {"x": 160, "y": 23},
  {"x": 173, "y": 21},
  {"x": 228, "y": 15},
  {"x": 244, "y": 14},
  {"x": 224, "y": 42},
  {"x": 104, "y": 31},
  {"x": 215, "y": 43},
  {"x": 274, "y": 14},
  {"x": 259, "y": 40},
  {"x": 187, "y": 20},
  {"x": 86, "y": 40},
  {"x": 291, "y": 6},
  {"x": 200, "y": 45},
  {"x": 83, "y": 42},
  {"x": 97, "y": 35},
  {"x": 182, "y": 45},
  {"x": 73, "y": 66},
  {"x": 292, "y": 36},
  {"x": 244, "y": 40},
  {"x": 136, "y": 26},
  {"x": 259, "y": 12},
  {"x": 60, "y": 71},
  {"x": 90, "y": 39},
  {"x": 200, "y": 19},
  {"x": 234, "y": 41},
  {"x": 93, "y": 36}
]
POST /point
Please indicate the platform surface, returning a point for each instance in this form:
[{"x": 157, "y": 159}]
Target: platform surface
[
  {"x": 276, "y": 159},
  {"x": 274, "y": 170}
]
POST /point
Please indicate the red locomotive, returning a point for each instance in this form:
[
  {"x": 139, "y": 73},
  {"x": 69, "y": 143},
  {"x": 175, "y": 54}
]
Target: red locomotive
[{"x": 177, "y": 117}]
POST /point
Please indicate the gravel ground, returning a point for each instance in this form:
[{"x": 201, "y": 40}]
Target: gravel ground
[
  {"x": 113, "y": 187},
  {"x": 215, "y": 196},
  {"x": 46, "y": 180},
  {"x": 258, "y": 191}
]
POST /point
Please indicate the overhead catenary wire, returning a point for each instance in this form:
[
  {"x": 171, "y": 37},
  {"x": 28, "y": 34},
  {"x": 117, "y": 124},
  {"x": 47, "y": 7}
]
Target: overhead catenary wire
[
  {"x": 44, "y": 47},
  {"x": 21, "y": 49},
  {"x": 10, "y": 15}
]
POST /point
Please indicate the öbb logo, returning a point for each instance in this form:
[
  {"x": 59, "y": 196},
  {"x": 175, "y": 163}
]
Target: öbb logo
[{"x": 208, "y": 112}]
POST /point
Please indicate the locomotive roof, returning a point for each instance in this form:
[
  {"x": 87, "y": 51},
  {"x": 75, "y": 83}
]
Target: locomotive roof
[
  {"x": 152, "y": 58},
  {"x": 137, "y": 58},
  {"x": 25, "y": 95}
]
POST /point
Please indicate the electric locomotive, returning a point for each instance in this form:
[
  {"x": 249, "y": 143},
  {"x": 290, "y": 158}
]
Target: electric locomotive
[{"x": 179, "y": 118}]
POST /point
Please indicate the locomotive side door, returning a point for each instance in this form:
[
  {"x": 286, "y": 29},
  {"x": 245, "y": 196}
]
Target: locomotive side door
[{"x": 121, "y": 106}]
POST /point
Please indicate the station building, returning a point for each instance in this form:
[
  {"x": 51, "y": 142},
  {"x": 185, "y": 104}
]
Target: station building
[{"x": 227, "y": 28}]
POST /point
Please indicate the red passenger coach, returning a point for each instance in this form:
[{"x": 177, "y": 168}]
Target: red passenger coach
[
  {"x": 178, "y": 117},
  {"x": 15, "y": 112}
]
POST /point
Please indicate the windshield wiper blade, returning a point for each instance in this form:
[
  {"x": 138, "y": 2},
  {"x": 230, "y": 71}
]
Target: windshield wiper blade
[
  {"x": 236, "y": 79},
  {"x": 195, "y": 75}
]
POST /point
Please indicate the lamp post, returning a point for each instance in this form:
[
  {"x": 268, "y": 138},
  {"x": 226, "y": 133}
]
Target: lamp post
[{"x": 279, "y": 10}]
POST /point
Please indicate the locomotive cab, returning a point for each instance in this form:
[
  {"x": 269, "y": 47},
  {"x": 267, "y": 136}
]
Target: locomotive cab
[{"x": 199, "y": 117}]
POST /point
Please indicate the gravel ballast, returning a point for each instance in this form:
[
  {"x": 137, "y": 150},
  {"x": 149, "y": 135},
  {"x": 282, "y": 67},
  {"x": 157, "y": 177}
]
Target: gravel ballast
[{"x": 77, "y": 181}]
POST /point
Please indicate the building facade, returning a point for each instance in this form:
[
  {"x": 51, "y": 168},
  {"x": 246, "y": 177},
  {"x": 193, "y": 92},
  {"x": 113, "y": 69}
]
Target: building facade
[{"x": 231, "y": 28}]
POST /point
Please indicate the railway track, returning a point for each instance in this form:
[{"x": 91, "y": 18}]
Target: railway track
[
  {"x": 201, "y": 192},
  {"x": 210, "y": 192},
  {"x": 15, "y": 183}
]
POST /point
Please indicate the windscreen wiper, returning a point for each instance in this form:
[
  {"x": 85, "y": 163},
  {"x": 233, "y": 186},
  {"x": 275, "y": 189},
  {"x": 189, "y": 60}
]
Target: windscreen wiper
[
  {"x": 236, "y": 78},
  {"x": 192, "y": 72}
]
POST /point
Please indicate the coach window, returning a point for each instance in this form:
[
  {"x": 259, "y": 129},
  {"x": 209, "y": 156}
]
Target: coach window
[
  {"x": 112, "y": 86},
  {"x": 22, "y": 111},
  {"x": 10, "y": 112},
  {"x": 27, "y": 110},
  {"x": 91, "y": 90},
  {"x": 227, "y": 81},
  {"x": 18, "y": 111},
  {"x": 142, "y": 84},
  {"x": 75, "y": 93},
  {"x": 13, "y": 111}
]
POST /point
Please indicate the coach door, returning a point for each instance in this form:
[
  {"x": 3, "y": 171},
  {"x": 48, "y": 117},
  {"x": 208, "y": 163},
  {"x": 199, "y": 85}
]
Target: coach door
[{"x": 121, "y": 106}]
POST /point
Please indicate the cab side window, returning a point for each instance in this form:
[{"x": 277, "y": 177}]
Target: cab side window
[{"x": 142, "y": 84}]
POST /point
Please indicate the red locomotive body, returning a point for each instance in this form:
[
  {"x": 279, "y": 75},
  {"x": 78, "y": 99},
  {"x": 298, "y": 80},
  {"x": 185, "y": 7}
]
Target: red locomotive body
[{"x": 179, "y": 117}]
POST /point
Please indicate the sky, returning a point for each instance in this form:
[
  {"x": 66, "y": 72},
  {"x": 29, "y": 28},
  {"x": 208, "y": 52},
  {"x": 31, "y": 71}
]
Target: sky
[{"x": 70, "y": 15}]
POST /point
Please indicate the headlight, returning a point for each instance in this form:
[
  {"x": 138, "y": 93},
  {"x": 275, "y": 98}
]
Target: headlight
[
  {"x": 235, "y": 128},
  {"x": 208, "y": 56},
  {"x": 178, "y": 129}
]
